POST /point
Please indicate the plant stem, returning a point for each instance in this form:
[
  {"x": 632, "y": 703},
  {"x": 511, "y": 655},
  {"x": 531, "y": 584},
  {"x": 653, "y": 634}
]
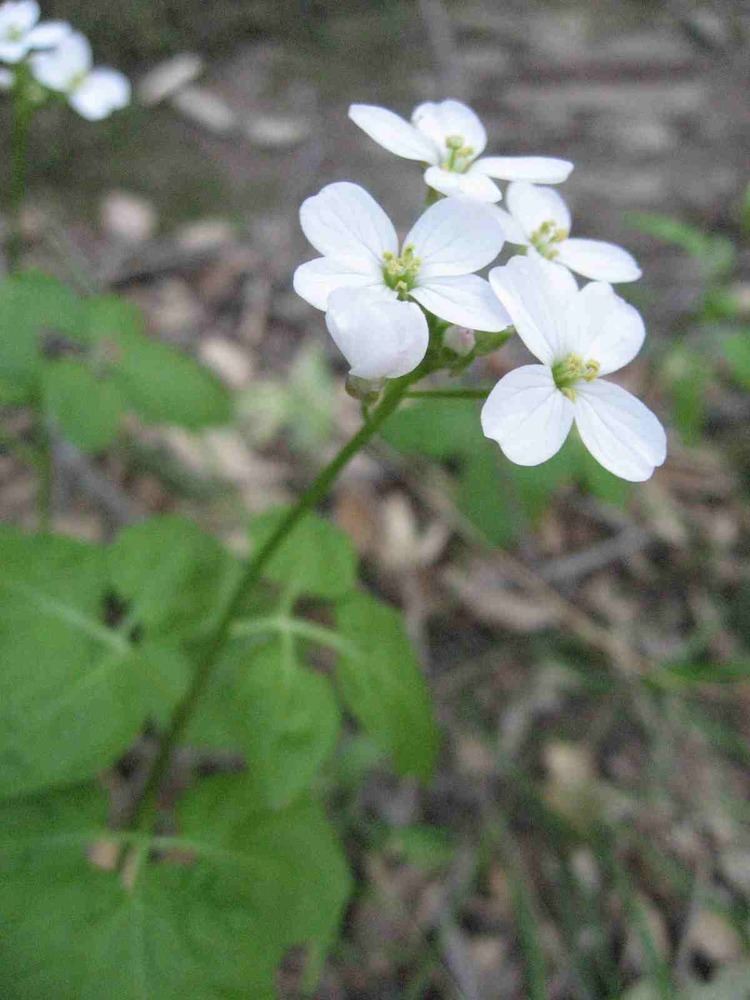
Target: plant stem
[
  {"x": 449, "y": 394},
  {"x": 250, "y": 578},
  {"x": 22, "y": 112}
]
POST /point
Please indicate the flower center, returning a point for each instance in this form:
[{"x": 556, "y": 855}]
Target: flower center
[
  {"x": 460, "y": 156},
  {"x": 14, "y": 33},
  {"x": 400, "y": 273},
  {"x": 572, "y": 370},
  {"x": 544, "y": 238}
]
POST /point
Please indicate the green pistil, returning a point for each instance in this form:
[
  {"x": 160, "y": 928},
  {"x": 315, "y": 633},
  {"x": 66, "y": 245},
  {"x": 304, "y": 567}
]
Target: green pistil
[
  {"x": 545, "y": 237},
  {"x": 572, "y": 370},
  {"x": 400, "y": 273},
  {"x": 459, "y": 157}
]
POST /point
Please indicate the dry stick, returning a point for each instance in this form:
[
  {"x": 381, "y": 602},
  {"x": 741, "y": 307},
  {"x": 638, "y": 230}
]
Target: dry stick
[{"x": 630, "y": 662}]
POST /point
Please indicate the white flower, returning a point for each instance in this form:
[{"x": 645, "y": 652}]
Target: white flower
[
  {"x": 20, "y": 33},
  {"x": 449, "y": 138},
  {"x": 578, "y": 335},
  {"x": 538, "y": 217},
  {"x": 380, "y": 337},
  {"x": 434, "y": 267},
  {"x": 93, "y": 92}
]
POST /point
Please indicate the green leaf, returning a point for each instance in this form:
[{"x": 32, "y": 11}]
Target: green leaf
[
  {"x": 33, "y": 308},
  {"x": 174, "y": 577},
  {"x": 383, "y": 685},
  {"x": 427, "y": 847},
  {"x": 73, "y": 692},
  {"x": 436, "y": 428},
  {"x": 315, "y": 559},
  {"x": 281, "y": 715},
  {"x": 737, "y": 355},
  {"x": 211, "y": 918},
  {"x": 86, "y": 409},
  {"x": 716, "y": 253},
  {"x": 162, "y": 385},
  {"x": 685, "y": 674}
]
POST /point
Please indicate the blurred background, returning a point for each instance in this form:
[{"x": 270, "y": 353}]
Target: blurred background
[{"x": 587, "y": 833}]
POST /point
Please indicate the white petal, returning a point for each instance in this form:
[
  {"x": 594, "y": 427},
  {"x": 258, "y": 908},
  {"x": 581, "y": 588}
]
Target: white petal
[
  {"x": 536, "y": 169},
  {"x": 562, "y": 281},
  {"x": 598, "y": 260},
  {"x": 440, "y": 121},
  {"x": 471, "y": 185},
  {"x": 600, "y": 326},
  {"x": 59, "y": 68},
  {"x": 394, "y": 133},
  {"x": 511, "y": 227},
  {"x": 527, "y": 415},
  {"x": 316, "y": 279},
  {"x": 18, "y": 16},
  {"x": 621, "y": 433},
  {"x": 345, "y": 223},
  {"x": 455, "y": 236},
  {"x": 13, "y": 52},
  {"x": 378, "y": 336},
  {"x": 101, "y": 92},
  {"x": 48, "y": 34},
  {"x": 466, "y": 300},
  {"x": 533, "y": 206},
  {"x": 535, "y": 303}
]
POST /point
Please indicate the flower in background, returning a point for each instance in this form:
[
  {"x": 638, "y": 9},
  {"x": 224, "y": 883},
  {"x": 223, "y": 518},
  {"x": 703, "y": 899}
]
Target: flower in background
[
  {"x": 20, "y": 33},
  {"x": 538, "y": 217},
  {"x": 449, "y": 137},
  {"x": 93, "y": 92},
  {"x": 434, "y": 267},
  {"x": 578, "y": 336}
]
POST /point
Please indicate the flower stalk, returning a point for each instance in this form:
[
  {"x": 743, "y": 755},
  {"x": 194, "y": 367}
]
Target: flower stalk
[{"x": 395, "y": 391}]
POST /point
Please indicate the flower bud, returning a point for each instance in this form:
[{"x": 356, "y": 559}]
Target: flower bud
[{"x": 460, "y": 340}]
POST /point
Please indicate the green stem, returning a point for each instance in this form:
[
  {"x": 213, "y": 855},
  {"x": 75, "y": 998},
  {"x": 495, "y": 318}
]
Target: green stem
[
  {"x": 449, "y": 394},
  {"x": 22, "y": 113},
  {"x": 314, "y": 494}
]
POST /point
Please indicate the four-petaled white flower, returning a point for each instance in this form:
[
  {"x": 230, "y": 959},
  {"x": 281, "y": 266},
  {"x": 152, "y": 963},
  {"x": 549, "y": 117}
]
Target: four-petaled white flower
[
  {"x": 538, "y": 217},
  {"x": 20, "y": 33},
  {"x": 449, "y": 138},
  {"x": 93, "y": 92},
  {"x": 578, "y": 335},
  {"x": 434, "y": 267}
]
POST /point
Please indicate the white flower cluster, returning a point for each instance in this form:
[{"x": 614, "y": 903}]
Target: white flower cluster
[
  {"x": 387, "y": 303},
  {"x": 59, "y": 59}
]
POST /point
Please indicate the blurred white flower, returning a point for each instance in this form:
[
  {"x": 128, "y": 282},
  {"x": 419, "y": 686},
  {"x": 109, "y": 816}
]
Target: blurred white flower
[
  {"x": 538, "y": 217},
  {"x": 578, "y": 335},
  {"x": 451, "y": 239},
  {"x": 93, "y": 92},
  {"x": 449, "y": 138},
  {"x": 20, "y": 33}
]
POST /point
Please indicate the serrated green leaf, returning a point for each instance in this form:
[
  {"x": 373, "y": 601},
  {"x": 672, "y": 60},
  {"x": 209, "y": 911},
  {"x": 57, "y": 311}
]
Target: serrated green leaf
[
  {"x": 383, "y": 685},
  {"x": 173, "y": 576},
  {"x": 73, "y": 692},
  {"x": 281, "y": 715},
  {"x": 86, "y": 409},
  {"x": 211, "y": 919},
  {"x": 32, "y": 308},
  {"x": 161, "y": 384},
  {"x": 316, "y": 559}
]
